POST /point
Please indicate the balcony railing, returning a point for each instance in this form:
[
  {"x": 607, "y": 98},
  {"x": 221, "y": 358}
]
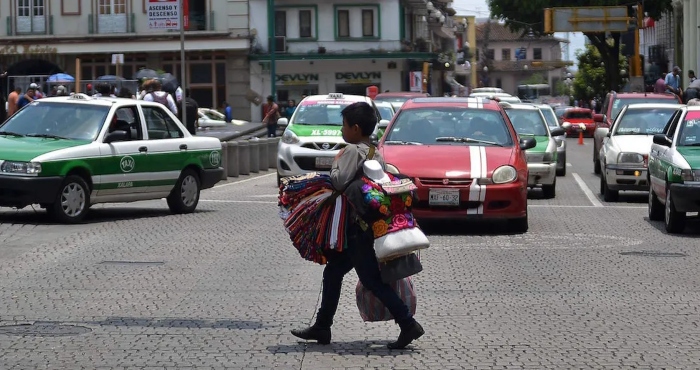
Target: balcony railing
[{"x": 528, "y": 65}]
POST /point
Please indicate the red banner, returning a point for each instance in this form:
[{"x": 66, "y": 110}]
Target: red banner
[{"x": 186, "y": 13}]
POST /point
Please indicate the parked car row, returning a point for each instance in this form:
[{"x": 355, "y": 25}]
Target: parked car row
[
  {"x": 469, "y": 157},
  {"x": 651, "y": 142}
]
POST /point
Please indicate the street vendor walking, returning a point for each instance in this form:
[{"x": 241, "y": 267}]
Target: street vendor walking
[{"x": 359, "y": 120}]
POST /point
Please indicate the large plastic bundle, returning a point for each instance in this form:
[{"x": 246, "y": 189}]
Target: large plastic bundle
[{"x": 313, "y": 214}]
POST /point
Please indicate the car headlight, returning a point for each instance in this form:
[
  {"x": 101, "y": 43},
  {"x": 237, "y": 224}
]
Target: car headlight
[
  {"x": 630, "y": 158},
  {"x": 288, "y": 137},
  {"x": 501, "y": 175},
  {"x": 690, "y": 175},
  {"x": 392, "y": 169},
  {"x": 26, "y": 168}
]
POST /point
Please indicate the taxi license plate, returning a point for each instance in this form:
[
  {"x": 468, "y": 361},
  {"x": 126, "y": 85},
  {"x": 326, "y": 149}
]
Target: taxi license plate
[
  {"x": 444, "y": 197},
  {"x": 324, "y": 162}
]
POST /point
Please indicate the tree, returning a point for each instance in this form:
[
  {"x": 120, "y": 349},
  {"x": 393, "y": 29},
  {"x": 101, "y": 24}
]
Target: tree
[
  {"x": 522, "y": 15},
  {"x": 591, "y": 79},
  {"x": 534, "y": 79}
]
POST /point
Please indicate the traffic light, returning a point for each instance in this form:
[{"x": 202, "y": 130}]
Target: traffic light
[{"x": 637, "y": 17}]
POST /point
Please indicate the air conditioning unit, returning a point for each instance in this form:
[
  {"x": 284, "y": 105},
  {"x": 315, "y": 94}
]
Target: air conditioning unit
[{"x": 280, "y": 44}]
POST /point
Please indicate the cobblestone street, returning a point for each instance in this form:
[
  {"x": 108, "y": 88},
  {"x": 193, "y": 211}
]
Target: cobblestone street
[{"x": 591, "y": 285}]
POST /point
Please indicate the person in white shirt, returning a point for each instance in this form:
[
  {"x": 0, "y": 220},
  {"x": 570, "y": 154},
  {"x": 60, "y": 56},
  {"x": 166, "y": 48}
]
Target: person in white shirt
[{"x": 160, "y": 96}]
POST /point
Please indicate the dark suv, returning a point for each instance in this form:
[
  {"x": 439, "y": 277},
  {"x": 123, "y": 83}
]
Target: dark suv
[{"x": 612, "y": 105}]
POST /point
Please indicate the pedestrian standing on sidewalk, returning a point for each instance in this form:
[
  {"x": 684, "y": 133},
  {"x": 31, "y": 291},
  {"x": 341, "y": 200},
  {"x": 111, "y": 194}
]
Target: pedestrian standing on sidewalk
[
  {"x": 660, "y": 84},
  {"x": 271, "y": 112},
  {"x": 359, "y": 120}
]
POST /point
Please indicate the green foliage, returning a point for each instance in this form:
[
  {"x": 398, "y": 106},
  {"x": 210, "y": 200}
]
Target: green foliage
[
  {"x": 591, "y": 80},
  {"x": 560, "y": 89},
  {"x": 535, "y": 78}
]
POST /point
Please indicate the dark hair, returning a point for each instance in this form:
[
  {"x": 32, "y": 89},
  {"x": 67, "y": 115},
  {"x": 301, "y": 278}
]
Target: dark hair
[
  {"x": 691, "y": 72},
  {"x": 361, "y": 114},
  {"x": 125, "y": 93},
  {"x": 270, "y": 98},
  {"x": 104, "y": 88}
]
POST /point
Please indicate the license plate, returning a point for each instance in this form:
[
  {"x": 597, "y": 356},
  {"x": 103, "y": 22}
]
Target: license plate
[
  {"x": 324, "y": 162},
  {"x": 444, "y": 197}
]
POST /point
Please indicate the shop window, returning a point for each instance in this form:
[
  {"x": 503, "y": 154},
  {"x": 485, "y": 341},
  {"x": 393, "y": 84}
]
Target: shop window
[
  {"x": 368, "y": 23},
  {"x": 280, "y": 23},
  {"x": 305, "y": 24},
  {"x": 100, "y": 71},
  {"x": 198, "y": 15},
  {"x": 201, "y": 73},
  {"x": 537, "y": 53},
  {"x": 343, "y": 23},
  {"x": 86, "y": 72},
  {"x": 499, "y": 83},
  {"x": 505, "y": 54},
  {"x": 490, "y": 54},
  {"x": 220, "y": 73}
]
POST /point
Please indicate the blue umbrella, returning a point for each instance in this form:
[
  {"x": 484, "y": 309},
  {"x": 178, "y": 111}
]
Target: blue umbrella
[
  {"x": 60, "y": 77},
  {"x": 110, "y": 78}
]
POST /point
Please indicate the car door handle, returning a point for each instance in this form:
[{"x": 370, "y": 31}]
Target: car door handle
[
  {"x": 183, "y": 147},
  {"x": 143, "y": 149}
]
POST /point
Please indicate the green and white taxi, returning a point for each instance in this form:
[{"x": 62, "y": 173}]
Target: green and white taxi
[
  {"x": 68, "y": 153},
  {"x": 312, "y": 137},
  {"x": 674, "y": 170},
  {"x": 528, "y": 121}
]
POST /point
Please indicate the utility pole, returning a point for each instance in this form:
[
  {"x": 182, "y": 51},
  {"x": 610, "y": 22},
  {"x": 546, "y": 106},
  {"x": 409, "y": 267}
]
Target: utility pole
[
  {"x": 272, "y": 45},
  {"x": 183, "y": 68}
]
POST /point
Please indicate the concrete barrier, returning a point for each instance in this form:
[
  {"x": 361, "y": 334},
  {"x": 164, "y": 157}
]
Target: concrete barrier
[
  {"x": 272, "y": 143},
  {"x": 233, "y": 165},
  {"x": 263, "y": 154},
  {"x": 254, "y": 154},
  {"x": 244, "y": 157},
  {"x": 223, "y": 161}
]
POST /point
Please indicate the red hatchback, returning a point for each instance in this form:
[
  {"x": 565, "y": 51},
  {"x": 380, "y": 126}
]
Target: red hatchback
[
  {"x": 577, "y": 117},
  {"x": 464, "y": 156}
]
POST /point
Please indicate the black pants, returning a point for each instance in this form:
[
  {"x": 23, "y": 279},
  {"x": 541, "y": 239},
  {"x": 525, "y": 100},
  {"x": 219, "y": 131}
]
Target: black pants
[
  {"x": 272, "y": 130},
  {"x": 359, "y": 255}
]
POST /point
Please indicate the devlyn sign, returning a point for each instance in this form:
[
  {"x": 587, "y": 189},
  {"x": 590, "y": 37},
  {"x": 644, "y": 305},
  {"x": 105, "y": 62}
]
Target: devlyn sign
[
  {"x": 358, "y": 77},
  {"x": 297, "y": 79},
  {"x": 27, "y": 49}
]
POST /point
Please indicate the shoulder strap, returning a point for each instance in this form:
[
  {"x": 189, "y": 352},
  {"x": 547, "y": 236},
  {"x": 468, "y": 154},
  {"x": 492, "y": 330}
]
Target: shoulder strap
[{"x": 370, "y": 155}]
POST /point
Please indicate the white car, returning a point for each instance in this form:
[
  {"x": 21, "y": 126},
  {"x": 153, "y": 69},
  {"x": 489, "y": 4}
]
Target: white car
[
  {"x": 212, "y": 118},
  {"x": 312, "y": 137},
  {"x": 625, "y": 150}
]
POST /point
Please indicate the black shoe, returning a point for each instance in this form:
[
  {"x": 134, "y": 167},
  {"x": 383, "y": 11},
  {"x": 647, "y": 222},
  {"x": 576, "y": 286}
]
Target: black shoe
[
  {"x": 322, "y": 336},
  {"x": 407, "y": 336}
]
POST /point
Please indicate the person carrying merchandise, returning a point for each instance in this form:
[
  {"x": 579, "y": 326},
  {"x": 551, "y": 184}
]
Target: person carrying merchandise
[
  {"x": 359, "y": 120},
  {"x": 160, "y": 96}
]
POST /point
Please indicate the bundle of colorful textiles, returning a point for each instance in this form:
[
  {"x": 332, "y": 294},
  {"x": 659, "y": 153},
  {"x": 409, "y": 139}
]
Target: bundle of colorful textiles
[{"x": 314, "y": 215}]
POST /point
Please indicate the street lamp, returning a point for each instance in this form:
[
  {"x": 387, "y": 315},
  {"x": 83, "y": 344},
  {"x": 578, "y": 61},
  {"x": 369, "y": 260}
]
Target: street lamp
[
  {"x": 525, "y": 67},
  {"x": 429, "y": 6},
  {"x": 486, "y": 69}
]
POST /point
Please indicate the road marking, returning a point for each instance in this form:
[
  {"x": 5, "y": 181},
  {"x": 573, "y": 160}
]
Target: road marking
[
  {"x": 594, "y": 200},
  {"x": 246, "y": 180},
  {"x": 265, "y": 196},
  {"x": 569, "y": 164},
  {"x": 237, "y": 201},
  {"x": 566, "y": 206}
]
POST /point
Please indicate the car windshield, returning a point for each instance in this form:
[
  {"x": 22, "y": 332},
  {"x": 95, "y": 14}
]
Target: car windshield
[
  {"x": 549, "y": 116},
  {"x": 620, "y": 103},
  {"x": 320, "y": 112},
  {"x": 690, "y": 130},
  {"x": 386, "y": 112},
  {"x": 527, "y": 122},
  {"x": 578, "y": 115},
  {"x": 643, "y": 121},
  {"x": 212, "y": 114},
  {"x": 58, "y": 120},
  {"x": 449, "y": 126}
]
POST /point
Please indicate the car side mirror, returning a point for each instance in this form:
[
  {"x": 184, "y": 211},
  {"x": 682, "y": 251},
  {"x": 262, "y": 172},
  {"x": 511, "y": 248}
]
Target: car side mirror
[
  {"x": 599, "y": 118},
  {"x": 608, "y": 134},
  {"x": 383, "y": 123},
  {"x": 374, "y": 139},
  {"x": 558, "y": 131},
  {"x": 118, "y": 135},
  {"x": 282, "y": 122},
  {"x": 527, "y": 143},
  {"x": 662, "y": 139}
]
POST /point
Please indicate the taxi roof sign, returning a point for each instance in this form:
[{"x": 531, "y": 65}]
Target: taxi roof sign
[
  {"x": 79, "y": 96},
  {"x": 335, "y": 95}
]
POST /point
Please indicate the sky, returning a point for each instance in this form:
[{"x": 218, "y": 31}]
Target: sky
[{"x": 480, "y": 9}]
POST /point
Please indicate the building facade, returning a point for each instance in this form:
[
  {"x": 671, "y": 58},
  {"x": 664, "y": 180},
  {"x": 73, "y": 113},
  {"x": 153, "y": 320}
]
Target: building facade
[
  {"x": 343, "y": 46},
  {"x": 690, "y": 33},
  {"x": 507, "y": 59},
  {"x": 660, "y": 44},
  {"x": 42, "y": 37}
]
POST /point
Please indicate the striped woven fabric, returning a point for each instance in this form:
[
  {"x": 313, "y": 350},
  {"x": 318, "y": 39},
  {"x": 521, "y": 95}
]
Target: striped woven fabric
[{"x": 372, "y": 309}]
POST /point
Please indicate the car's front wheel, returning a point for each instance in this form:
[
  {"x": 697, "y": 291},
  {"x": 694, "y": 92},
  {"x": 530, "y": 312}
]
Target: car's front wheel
[
  {"x": 185, "y": 195},
  {"x": 562, "y": 171},
  {"x": 608, "y": 194},
  {"x": 72, "y": 202},
  {"x": 673, "y": 220}
]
